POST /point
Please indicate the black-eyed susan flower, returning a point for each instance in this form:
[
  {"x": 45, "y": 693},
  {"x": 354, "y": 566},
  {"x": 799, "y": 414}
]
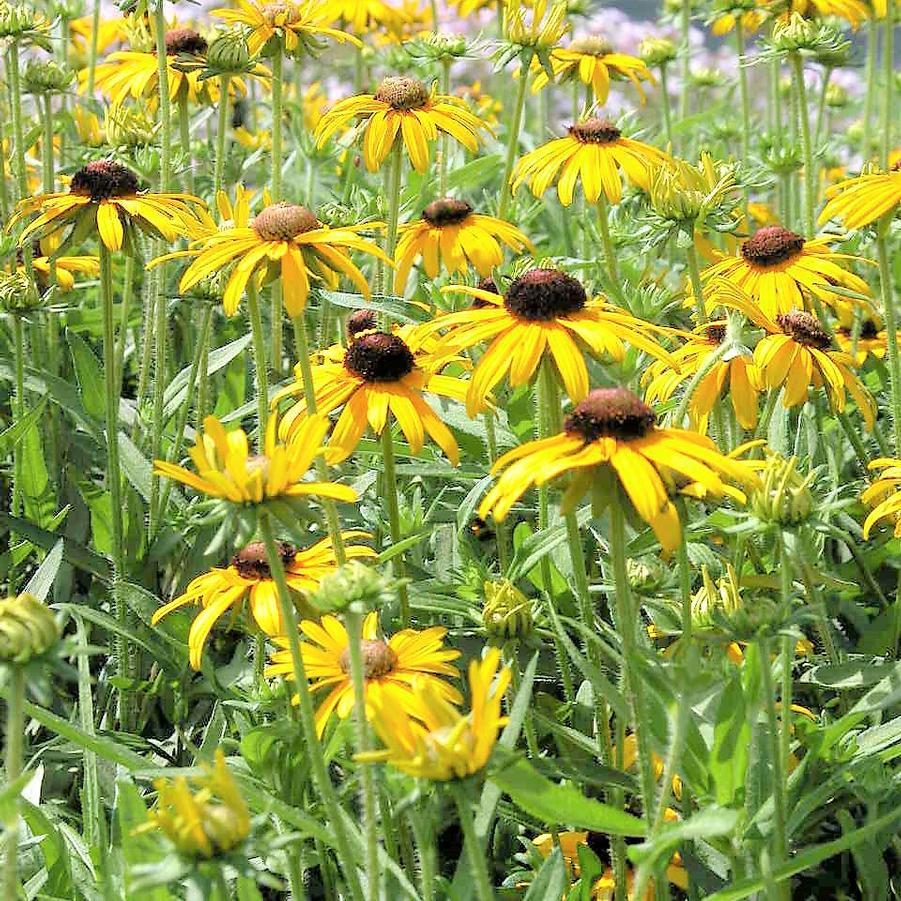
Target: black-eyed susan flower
[
  {"x": 781, "y": 271},
  {"x": 226, "y": 468},
  {"x": 611, "y": 437},
  {"x": 429, "y": 738},
  {"x": 203, "y": 817},
  {"x": 871, "y": 338},
  {"x": 731, "y": 375},
  {"x": 248, "y": 578},
  {"x": 105, "y": 197},
  {"x": 404, "y": 108},
  {"x": 593, "y": 61},
  {"x": 287, "y": 241},
  {"x": 379, "y": 375},
  {"x": 884, "y": 496},
  {"x": 596, "y": 152},
  {"x": 391, "y": 666},
  {"x": 361, "y": 16},
  {"x": 65, "y": 268},
  {"x": 450, "y": 233},
  {"x": 854, "y": 12},
  {"x": 293, "y": 24},
  {"x": 859, "y": 201},
  {"x": 727, "y": 13},
  {"x": 544, "y": 312}
]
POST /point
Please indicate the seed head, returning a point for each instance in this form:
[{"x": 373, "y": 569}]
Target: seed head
[
  {"x": 104, "y": 179},
  {"x": 379, "y": 357},
  {"x": 401, "y": 92},
  {"x": 446, "y": 211},
  {"x": 544, "y": 294},
  {"x": 284, "y": 221},
  {"x": 595, "y": 131},
  {"x": 610, "y": 413},
  {"x": 772, "y": 245}
]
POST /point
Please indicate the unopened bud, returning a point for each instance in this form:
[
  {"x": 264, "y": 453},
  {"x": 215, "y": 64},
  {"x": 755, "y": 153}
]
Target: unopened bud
[
  {"x": 27, "y": 629},
  {"x": 507, "y": 612}
]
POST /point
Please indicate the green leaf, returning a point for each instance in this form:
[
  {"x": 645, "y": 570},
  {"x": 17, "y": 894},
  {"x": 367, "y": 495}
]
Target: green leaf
[
  {"x": 88, "y": 371},
  {"x": 41, "y": 582},
  {"x": 553, "y": 803},
  {"x": 40, "y": 503},
  {"x": 10, "y": 437},
  {"x": 851, "y": 674},
  {"x": 73, "y": 552},
  {"x": 551, "y": 880},
  {"x": 731, "y": 738}
]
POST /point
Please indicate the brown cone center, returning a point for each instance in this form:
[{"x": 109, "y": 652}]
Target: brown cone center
[
  {"x": 772, "y": 245},
  {"x": 592, "y": 45},
  {"x": 251, "y": 561},
  {"x": 103, "y": 179},
  {"x": 185, "y": 40},
  {"x": 379, "y": 658},
  {"x": 544, "y": 294},
  {"x": 284, "y": 221},
  {"x": 446, "y": 211},
  {"x": 401, "y": 92},
  {"x": 595, "y": 131},
  {"x": 804, "y": 328},
  {"x": 610, "y": 413},
  {"x": 275, "y": 13},
  {"x": 360, "y": 321},
  {"x": 715, "y": 333},
  {"x": 379, "y": 357}
]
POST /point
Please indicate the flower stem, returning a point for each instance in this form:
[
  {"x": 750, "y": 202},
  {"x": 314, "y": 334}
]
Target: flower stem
[
  {"x": 891, "y": 325},
  {"x": 443, "y": 142},
  {"x": 18, "y": 409},
  {"x": 870, "y": 95},
  {"x": 787, "y": 647},
  {"x": 393, "y": 187},
  {"x": 221, "y": 134},
  {"x": 354, "y": 624},
  {"x": 694, "y": 276},
  {"x": 15, "y": 738},
  {"x": 95, "y": 46},
  {"x": 320, "y": 774},
  {"x": 806, "y": 145},
  {"x": 159, "y": 29},
  {"x": 391, "y": 502},
  {"x": 513, "y": 137},
  {"x": 478, "y": 869},
  {"x": 422, "y": 832},
  {"x": 127, "y": 293},
  {"x": 607, "y": 243},
  {"x": 259, "y": 360},
  {"x": 275, "y": 189},
  {"x": 503, "y": 550},
  {"x": 685, "y": 22},
  {"x": 888, "y": 63},
  {"x": 821, "y": 107},
  {"x": 743, "y": 90},
  {"x": 160, "y": 346},
  {"x": 13, "y": 57}
]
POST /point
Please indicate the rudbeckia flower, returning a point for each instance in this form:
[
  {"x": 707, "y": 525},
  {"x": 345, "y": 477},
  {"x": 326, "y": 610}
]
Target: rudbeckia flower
[
  {"x": 734, "y": 375},
  {"x": 852, "y": 11},
  {"x": 390, "y": 666},
  {"x": 871, "y": 339},
  {"x": 248, "y": 578},
  {"x": 726, "y": 15},
  {"x": 884, "y": 493},
  {"x": 402, "y": 106},
  {"x": 437, "y": 742},
  {"x": 378, "y": 375},
  {"x": 781, "y": 271},
  {"x": 227, "y": 469},
  {"x": 284, "y": 240},
  {"x": 593, "y": 61},
  {"x": 66, "y": 267},
  {"x": 544, "y": 312},
  {"x": 104, "y": 197},
  {"x": 859, "y": 201},
  {"x": 111, "y": 31},
  {"x": 363, "y": 15},
  {"x": 291, "y": 23},
  {"x": 611, "y": 435},
  {"x": 451, "y": 232},
  {"x": 595, "y": 151}
]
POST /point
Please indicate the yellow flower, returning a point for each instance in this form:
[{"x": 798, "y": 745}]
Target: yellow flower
[
  {"x": 364, "y": 15},
  {"x": 595, "y": 151},
  {"x": 540, "y": 33},
  {"x": 593, "y": 62},
  {"x": 67, "y": 267},
  {"x": 248, "y": 578},
  {"x": 111, "y": 31},
  {"x": 795, "y": 355},
  {"x": 872, "y": 338},
  {"x": 391, "y": 667},
  {"x": 611, "y": 436},
  {"x": 451, "y": 232},
  {"x": 545, "y": 312},
  {"x": 859, "y": 201},
  {"x": 733, "y": 374},
  {"x": 726, "y": 16},
  {"x": 284, "y": 240},
  {"x": 884, "y": 494},
  {"x": 468, "y": 7},
  {"x": 227, "y": 469},
  {"x": 852, "y": 11},
  {"x": 285, "y": 21},
  {"x": 104, "y": 197},
  {"x": 780, "y": 271},
  {"x": 378, "y": 375},
  {"x": 402, "y": 106},
  {"x": 438, "y": 742},
  {"x": 203, "y": 817}
]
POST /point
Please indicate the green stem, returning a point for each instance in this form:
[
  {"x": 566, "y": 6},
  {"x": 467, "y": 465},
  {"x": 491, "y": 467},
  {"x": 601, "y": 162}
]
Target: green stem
[
  {"x": 92, "y": 811},
  {"x": 320, "y": 774},
  {"x": 160, "y": 347},
  {"x": 743, "y": 91},
  {"x": 275, "y": 187},
  {"x": 95, "y": 45},
  {"x": 694, "y": 276},
  {"x": 503, "y": 549},
  {"x": 477, "y": 861},
  {"x": 259, "y": 361},
  {"x": 787, "y": 647},
  {"x": 685, "y": 53},
  {"x": 422, "y": 832},
  {"x": 888, "y": 65},
  {"x": 221, "y": 135},
  {"x": 607, "y": 243},
  {"x": 821, "y": 107},
  {"x": 513, "y": 136},
  {"x": 806, "y": 146},
  {"x": 127, "y": 293},
  {"x": 15, "y": 739},
  {"x": 18, "y": 415},
  {"x": 512, "y": 660},
  {"x": 148, "y": 337},
  {"x": 393, "y": 176},
  {"x": 13, "y": 61},
  {"x": 162, "y": 63},
  {"x": 891, "y": 325},
  {"x": 443, "y": 143},
  {"x": 393, "y": 510},
  {"x": 184, "y": 129},
  {"x": 870, "y": 96}
]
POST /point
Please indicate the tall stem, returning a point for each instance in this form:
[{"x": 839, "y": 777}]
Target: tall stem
[
  {"x": 95, "y": 45},
  {"x": 159, "y": 28},
  {"x": 477, "y": 864},
  {"x": 13, "y": 60},
  {"x": 743, "y": 90},
  {"x": 891, "y": 325},
  {"x": 391, "y": 502},
  {"x": 184, "y": 130},
  {"x": 513, "y": 137},
  {"x": 259, "y": 361},
  {"x": 694, "y": 276},
  {"x": 15, "y": 739},
  {"x": 869, "y": 98},
  {"x": 607, "y": 242},
  {"x": 18, "y": 415},
  {"x": 221, "y": 134},
  {"x": 888, "y": 68},
  {"x": 667, "y": 107},
  {"x": 821, "y": 107},
  {"x": 393, "y": 176},
  {"x": 321, "y": 778},
  {"x": 685, "y": 21},
  {"x": 276, "y": 315},
  {"x": 160, "y": 347},
  {"x": 443, "y": 143},
  {"x": 806, "y": 145},
  {"x": 787, "y": 647}
]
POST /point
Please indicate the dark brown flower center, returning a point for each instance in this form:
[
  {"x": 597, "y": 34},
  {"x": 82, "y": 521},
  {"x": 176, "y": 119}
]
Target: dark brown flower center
[
  {"x": 379, "y": 357},
  {"x": 185, "y": 40},
  {"x": 595, "y": 131},
  {"x": 486, "y": 284},
  {"x": 804, "y": 328},
  {"x": 715, "y": 332},
  {"x": 401, "y": 92},
  {"x": 869, "y": 330},
  {"x": 592, "y": 45},
  {"x": 544, "y": 294},
  {"x": 284, "y": 221},
  {"x": 896, "y": 166},
  {"x": 281, "y": 13},
  {"x": 446, "y": 211},
  {"x": 103, "y": 179},
  {"x": 251, "y": 561},
  {"x": 360, "y": 321},
  {"x": 772, "y": 245},
  {"x": 379, "y": 658},
  {"x": 610, "y": 413}
]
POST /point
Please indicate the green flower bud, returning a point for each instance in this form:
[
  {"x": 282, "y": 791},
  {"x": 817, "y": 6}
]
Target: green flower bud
[
  {"x": 784, "y": 497},
  {"x": 23, "y": 22},
  {"x": 715, "y": 598},
  {"x": 353, "y": 583},
  {"x": 760, "y": 618},
  {"x": 27, "y": 629},
  {"x": 228, "y": 54},
  {"x": 657, "y": 51},
  {"x": 646, "y": 574},
  {"x": 129, "y": 127},
  {"x": 438, "y": 46},
  {"x": 18, "y": 294},
  {"x": 836, "y": 96},
  {"x": 507, "y": 612},
  {"x": 707, "y": 77},
  {"x": 46, "y": 77}
]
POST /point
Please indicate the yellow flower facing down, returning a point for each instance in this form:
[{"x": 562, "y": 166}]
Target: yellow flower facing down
[
  {"x": 227, "y": 469},
  {"x": 403, "y": 109},
  {"x": 859, "y": 201},
  {"x": 545, "y": 312},
  {"x": 65, "y": 267},
  {"x": 545, "y": 26},
  {"x": 285, "y": 21},
  {"x": 594, "y": 152},
  {"x": 284, "y": 240},
  {"x": 111, "y": 31},
  {"x": 727, "y": 16},
  {"x": 437, "y": 742},
  {"x": 104, "y": 197},
  {"x": 248, "y": 578},
  {"x": 450, "y": 233},
  {"x": 592, "y": 61},
  {"x": 855, "y": 12},
  {"x": 611, "y": 437},
  {"x": 734, "y": 375},
  {"x": 781, "y": 271},
  {"x": 871, "y": 339},
  {"x": 379, "y": 375},
  {"x": 884, "y": 496},
  {"x": 203, "y": 817},
  {"x": 362, "y": 16},
  {"x": 391, "y": 667}
]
